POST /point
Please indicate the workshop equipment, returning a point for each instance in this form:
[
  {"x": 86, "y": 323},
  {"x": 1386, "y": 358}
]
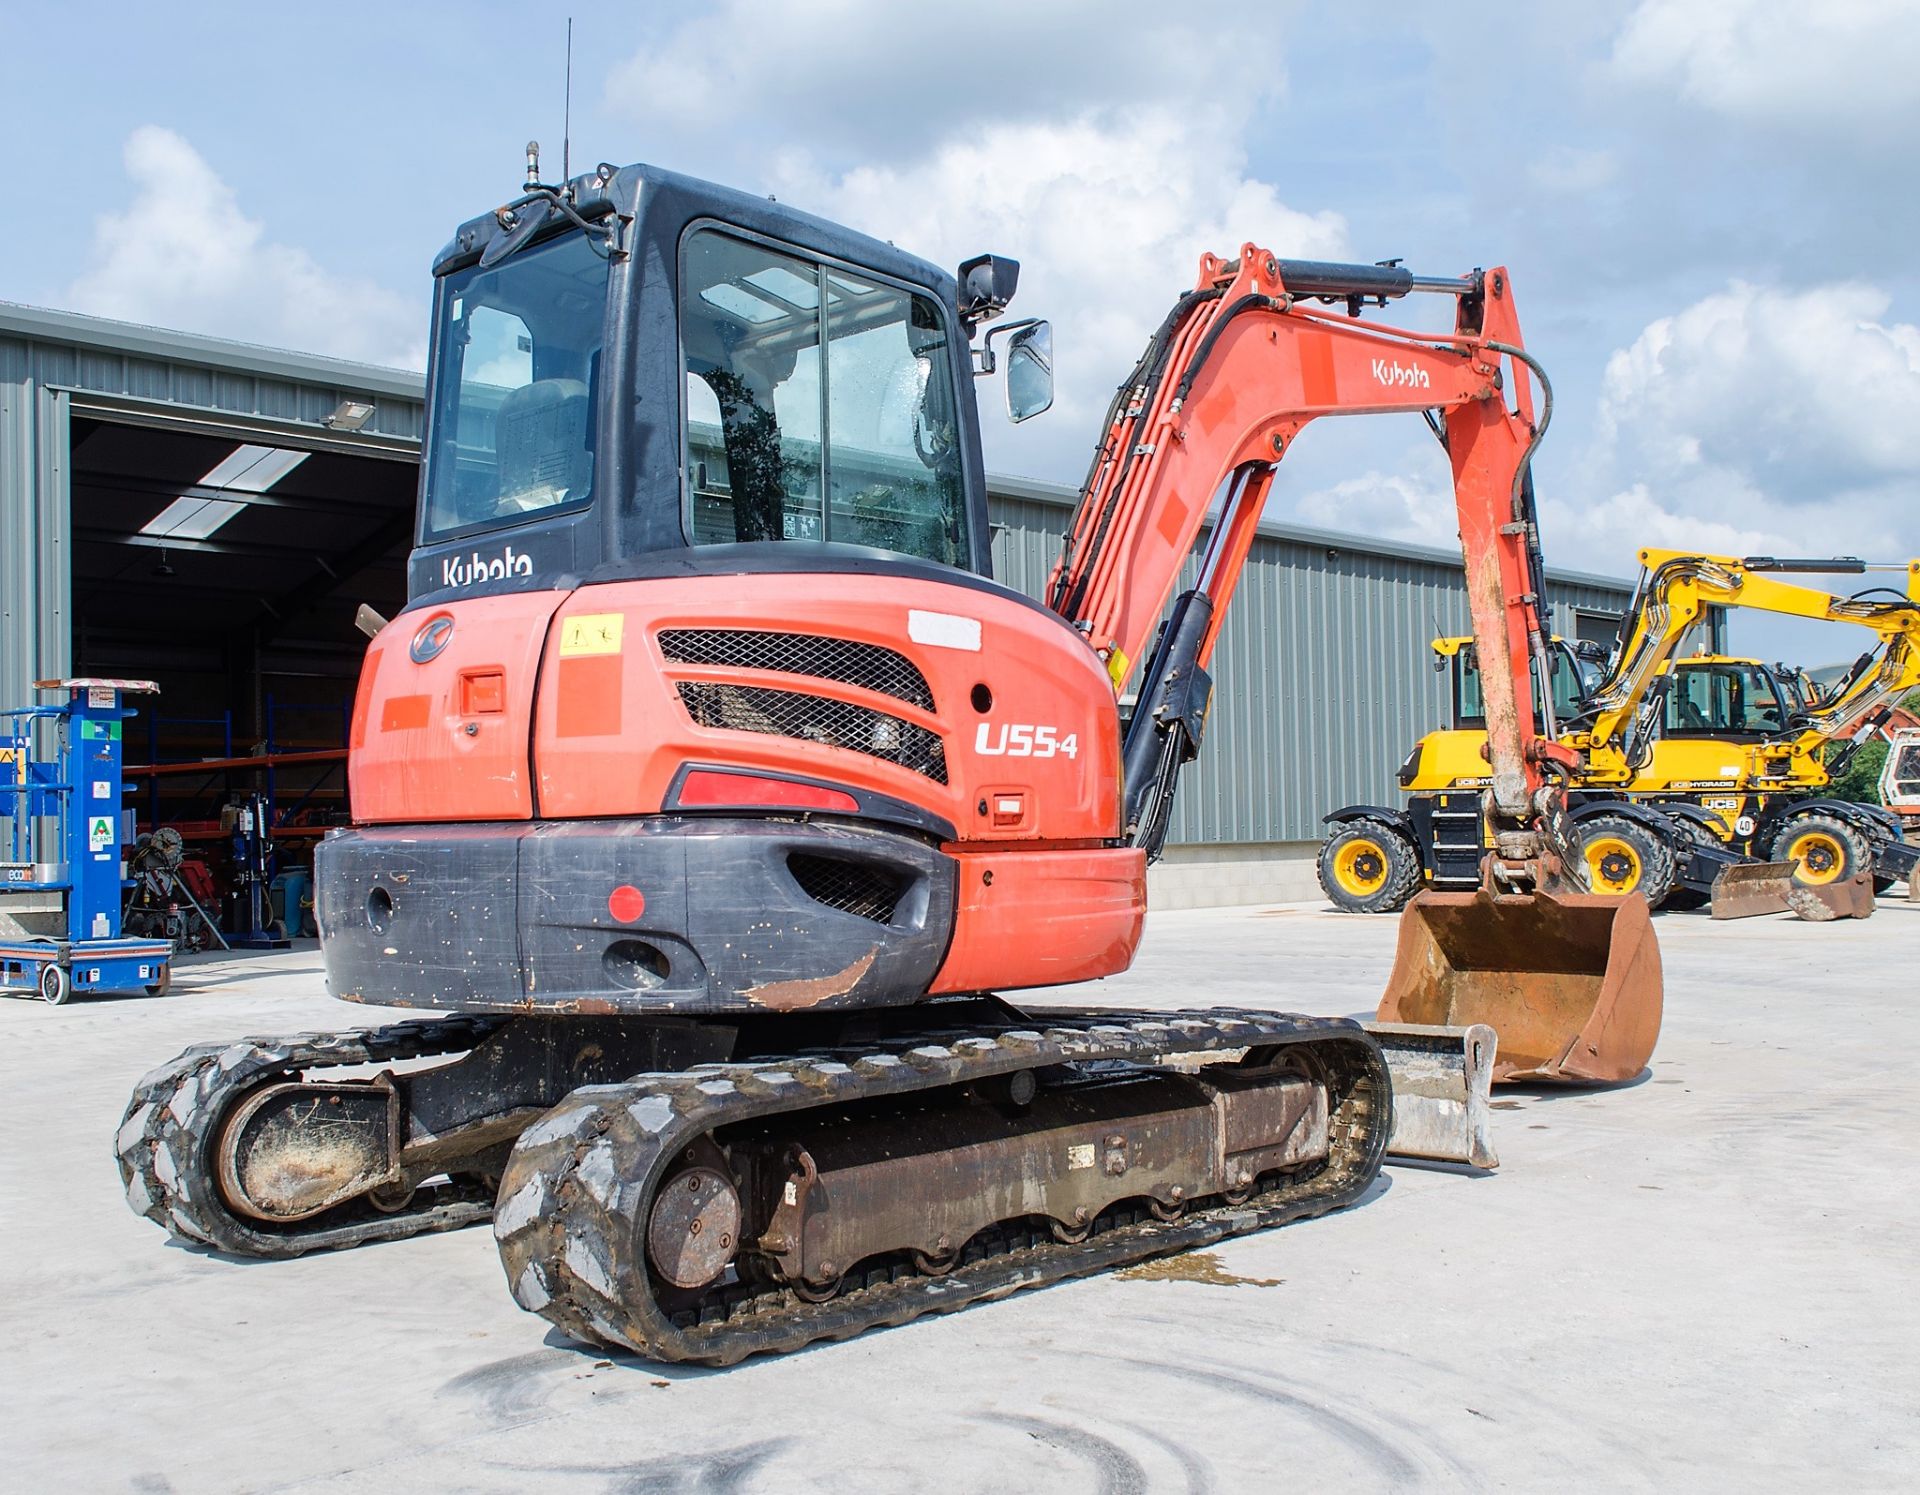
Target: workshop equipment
[{"x": 62, "y": 865}]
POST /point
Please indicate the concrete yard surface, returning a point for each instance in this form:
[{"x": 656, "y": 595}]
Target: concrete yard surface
[{"x": 1706, "y": 1279}]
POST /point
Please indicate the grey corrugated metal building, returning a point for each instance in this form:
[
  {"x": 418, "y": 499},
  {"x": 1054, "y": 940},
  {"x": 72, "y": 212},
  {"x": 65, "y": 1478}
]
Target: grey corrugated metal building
[{"x": 1322, "y": 675}]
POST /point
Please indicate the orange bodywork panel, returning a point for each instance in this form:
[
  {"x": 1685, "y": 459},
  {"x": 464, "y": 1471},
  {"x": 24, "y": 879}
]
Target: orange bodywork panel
[
  {"x": 1017, "y": 698},
  {"x": 444, "y": 737},
  {"x": 569, "y": 705},
  {"x": 1044, "y": 918}
]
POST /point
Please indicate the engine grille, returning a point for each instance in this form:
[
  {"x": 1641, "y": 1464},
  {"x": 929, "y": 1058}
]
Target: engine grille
[
  {"x": 852, "y": 887},
  {"x": 868, "y": 666},
  {"x": 786, "y": 713}
]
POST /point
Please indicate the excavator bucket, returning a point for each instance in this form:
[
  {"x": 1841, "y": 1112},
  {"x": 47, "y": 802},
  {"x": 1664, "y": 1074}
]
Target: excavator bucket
[
  {"x": 1756, "y": 888},
  {"x": 1569, "y": 981}
]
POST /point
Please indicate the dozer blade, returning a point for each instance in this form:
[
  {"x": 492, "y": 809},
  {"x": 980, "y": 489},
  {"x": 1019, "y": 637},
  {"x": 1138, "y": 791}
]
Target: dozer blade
[
  {"x": 1440, "y": 1083},
  {"x": 1756, "y": 888},
  {"x": 1569, "y": 981},
  {"x": 1849, "y": 899}
]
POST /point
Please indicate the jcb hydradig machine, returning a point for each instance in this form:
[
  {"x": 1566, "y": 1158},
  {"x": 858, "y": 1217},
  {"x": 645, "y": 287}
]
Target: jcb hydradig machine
[
  {"x": 713, "y": 787},
  {"x": 1698, "y": 777}
]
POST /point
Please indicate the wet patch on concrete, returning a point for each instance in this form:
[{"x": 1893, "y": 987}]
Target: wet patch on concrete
[{"x": 1193, "y": 1266}]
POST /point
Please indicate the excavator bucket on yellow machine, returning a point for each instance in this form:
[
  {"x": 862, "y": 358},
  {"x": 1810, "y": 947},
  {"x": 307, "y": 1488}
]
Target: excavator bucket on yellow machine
[{"x": 1570, "y": 981}]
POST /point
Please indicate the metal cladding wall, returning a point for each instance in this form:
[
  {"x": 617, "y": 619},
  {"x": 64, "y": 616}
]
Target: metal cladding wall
[
  {"x": 55, "y": 365},
  {"x": 1322, "y": 679}
]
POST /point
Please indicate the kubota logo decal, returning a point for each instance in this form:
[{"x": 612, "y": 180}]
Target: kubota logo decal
[
  {"x": 431, "y": 638},
  {"x": 464, "y": 570},
  {"x": 1400, "y": 375}
]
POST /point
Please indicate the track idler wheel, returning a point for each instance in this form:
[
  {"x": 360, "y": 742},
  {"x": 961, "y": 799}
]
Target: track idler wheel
[
  {"x": 290, "y": 1151},
  {"x": 694, "y": 1227}
]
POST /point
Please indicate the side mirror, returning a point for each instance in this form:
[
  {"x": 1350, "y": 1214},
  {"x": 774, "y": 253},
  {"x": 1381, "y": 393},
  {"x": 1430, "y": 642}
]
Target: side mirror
[{"x": 1029, "y": 372}]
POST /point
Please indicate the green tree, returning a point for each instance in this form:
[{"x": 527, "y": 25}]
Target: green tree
[{"x": 1859, "y": 783}]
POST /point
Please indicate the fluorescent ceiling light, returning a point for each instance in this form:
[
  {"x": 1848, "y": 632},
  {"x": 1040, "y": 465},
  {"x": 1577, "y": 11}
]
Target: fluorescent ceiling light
[
  {"x": 247, "y": 469},
  {"x": 191, "y": 518},
  {"x": 253, "y": 469}
]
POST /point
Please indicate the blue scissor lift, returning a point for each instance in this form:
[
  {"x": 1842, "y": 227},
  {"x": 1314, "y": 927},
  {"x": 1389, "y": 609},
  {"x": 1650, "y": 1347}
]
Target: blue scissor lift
[{"x": 62, "y": 857}]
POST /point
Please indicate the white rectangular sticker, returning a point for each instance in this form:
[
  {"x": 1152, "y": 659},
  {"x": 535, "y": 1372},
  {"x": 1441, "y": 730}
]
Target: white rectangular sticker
[
  {"x": 1079, "y": 1155},
  {"x": 103, "y": 789},
  {"x": 100, "y": 695},
  {"x": 944, "y": 630}
]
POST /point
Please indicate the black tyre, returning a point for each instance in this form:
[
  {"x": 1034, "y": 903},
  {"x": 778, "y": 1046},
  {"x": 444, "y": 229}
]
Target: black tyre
[
  {"x": 56, "y": 985},
  {"x": 1368, "y": 867},
  {"x": 1826, "y": 849},
  {"x": 1881, "y": 883},
  {"x": 1618, "y": 856}
]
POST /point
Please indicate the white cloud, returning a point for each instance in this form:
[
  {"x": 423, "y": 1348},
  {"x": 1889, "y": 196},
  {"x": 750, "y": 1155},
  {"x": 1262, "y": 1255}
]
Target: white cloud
[
  {"x": 1104, "y": 152},
  {"x": 182, "y": 254},
  {"x": 1415, "y": 509},
  {"x": 1845, "y": 65},
  {"x": 876, "y": 80},
  {"x": 1108, "y": 214},
  {"x": 1798, "y": 394},
  {"x": 1757, "y": 419}
]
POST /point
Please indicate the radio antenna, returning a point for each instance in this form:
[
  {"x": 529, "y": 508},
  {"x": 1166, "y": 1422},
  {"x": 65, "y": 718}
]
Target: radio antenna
[{"x": 566, "y": 119}]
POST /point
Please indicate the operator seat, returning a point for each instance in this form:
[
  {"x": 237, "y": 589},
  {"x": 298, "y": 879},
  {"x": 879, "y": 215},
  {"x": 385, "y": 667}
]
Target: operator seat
[{"x": 540, "y": 445}]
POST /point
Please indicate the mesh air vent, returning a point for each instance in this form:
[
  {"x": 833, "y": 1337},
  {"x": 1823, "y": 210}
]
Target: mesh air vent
[
  {"x": 786, "y": 713},
  {"x": 868, "y": 666},
  {"x": 852, "y": 887}
]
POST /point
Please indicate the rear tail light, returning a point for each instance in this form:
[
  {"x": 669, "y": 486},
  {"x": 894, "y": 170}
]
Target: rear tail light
[{"x": 705, "y": 788}]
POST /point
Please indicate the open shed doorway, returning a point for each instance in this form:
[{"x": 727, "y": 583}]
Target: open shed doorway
[{"x": 228, "y": 567}]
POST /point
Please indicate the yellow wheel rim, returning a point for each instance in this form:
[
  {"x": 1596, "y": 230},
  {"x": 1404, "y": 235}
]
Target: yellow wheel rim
[
  {"x": 1821, "y": 858},
  {"x": 1613, "y": 866},
  {"x": 1360, "y": 867}
]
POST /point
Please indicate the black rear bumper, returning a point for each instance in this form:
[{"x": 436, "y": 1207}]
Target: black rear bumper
[{"x": 733, "y": 915}]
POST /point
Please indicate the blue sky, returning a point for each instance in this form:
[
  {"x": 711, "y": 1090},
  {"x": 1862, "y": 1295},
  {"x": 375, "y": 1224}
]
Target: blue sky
[{"x": 1708, "y": 209}]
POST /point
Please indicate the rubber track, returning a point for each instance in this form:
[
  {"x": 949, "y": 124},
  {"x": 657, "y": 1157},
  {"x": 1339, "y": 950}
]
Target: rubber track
[
  {"x": 164, "y": 1145},
  {"x": 580, "y": 1179}
]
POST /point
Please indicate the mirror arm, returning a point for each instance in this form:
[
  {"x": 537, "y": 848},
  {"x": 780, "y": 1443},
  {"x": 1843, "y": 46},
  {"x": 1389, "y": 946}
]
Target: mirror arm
[{"x": 984, "y": 359}]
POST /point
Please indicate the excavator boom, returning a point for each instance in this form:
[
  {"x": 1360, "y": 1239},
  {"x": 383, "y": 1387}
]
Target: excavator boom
[{"x": 1245, "y": 360}]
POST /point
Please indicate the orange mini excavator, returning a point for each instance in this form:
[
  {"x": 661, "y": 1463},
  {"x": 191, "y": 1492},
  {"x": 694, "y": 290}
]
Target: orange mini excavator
[{"x": 713, "y": 789}]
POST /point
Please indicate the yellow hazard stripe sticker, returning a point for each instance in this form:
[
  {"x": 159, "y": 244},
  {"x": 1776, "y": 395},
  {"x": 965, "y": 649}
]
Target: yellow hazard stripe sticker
[{"x": 591, "y": 633}]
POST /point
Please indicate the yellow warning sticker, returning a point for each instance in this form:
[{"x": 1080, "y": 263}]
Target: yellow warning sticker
[
  {"x": 591, "y": 633},
  {"x": 1117, "y": 663}
]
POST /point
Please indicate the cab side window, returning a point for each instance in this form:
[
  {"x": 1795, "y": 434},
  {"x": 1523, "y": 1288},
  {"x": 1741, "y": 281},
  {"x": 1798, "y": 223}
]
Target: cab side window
[{"x": 860, "y": 447}]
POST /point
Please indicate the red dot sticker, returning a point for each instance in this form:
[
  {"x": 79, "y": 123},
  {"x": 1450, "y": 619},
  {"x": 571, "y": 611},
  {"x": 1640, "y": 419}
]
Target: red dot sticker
[{"x": 626, "y": 903}]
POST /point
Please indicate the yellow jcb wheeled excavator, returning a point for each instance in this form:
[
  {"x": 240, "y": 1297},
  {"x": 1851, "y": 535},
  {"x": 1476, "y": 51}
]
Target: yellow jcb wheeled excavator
[
  {"x": 716, "y": 800},
  {"x": 1700, "y": 777}
]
